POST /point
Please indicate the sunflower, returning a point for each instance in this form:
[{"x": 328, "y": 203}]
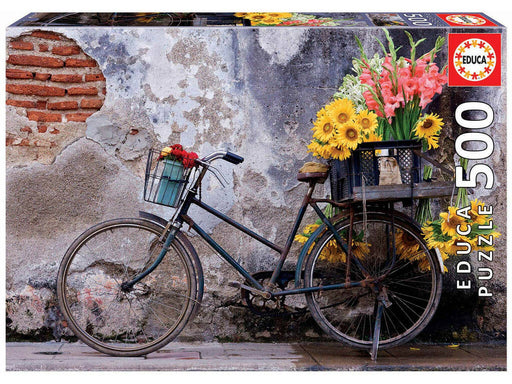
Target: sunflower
[
  {"x": 474, "y": 214},
  {"x": 280, "y": 15},
  {"x": 323, "y": 128},
  {"x": 428, "y": 126},
  {"x": 348, "y": 135},
  {"x": 339, "y": 152},
  {"x": 367, "y": 120},
  {"x": 317, "y": 149},
  {"x": 450, "y": 221},
  {"x": 241, "y": 14},
  {"x": 406, "y": 246},
  {"x": 321, "y": 112},
  {"x": 341, "y": 110},
  {"x": 432, "y": 141}
]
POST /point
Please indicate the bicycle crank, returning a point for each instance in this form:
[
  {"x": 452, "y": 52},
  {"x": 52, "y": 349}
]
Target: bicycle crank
[{"x": 258, "y": 292}]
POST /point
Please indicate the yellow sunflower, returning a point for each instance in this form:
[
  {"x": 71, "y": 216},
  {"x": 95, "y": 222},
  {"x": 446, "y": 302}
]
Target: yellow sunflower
[
  {"x": 406, "y": 246},
  {"x": 323, "y": 129},
  {"x": 339, "y": 152},
  {"x": 367, "y": 120},
  {"x": 473, "y": 212},
  {"x": 348, "y": 135},
  {"x": 320, "y": 113},
  {"x": 241, "y": 14},
  {"x": 432, "y": 141},
  {"x": 450, "y": 222},
  {"x": 341, "y": 110},
  {"x": 428, "y": 126},
  {"x": 280, "y": 15},
  {"x": 317, "y": 149}
]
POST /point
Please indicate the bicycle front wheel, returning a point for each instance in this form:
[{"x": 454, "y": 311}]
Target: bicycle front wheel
[
  {"x": 410, "y": 282},
  {"x": 129, "y": 322}
]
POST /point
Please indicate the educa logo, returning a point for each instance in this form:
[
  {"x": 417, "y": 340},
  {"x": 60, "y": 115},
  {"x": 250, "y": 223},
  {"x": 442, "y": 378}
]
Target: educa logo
[{"x": 475, "y": 59}]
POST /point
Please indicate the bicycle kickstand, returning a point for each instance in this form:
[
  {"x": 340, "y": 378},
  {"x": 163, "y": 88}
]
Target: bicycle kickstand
[{"x": 382, "y": 302}]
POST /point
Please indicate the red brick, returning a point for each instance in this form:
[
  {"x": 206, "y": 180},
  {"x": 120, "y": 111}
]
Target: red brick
[
  {"x": 42, "y": 128},
  {"x": 21, "y": 103},
  {"x": 26, "y": 129},
  {"x": 43, "y": 47},
  {"x": 18, "y": 74},
  {"x": 35, "y": 61},
  {"x": 46, "y": 35},
  {"x": 82, "y": 91},
  {"x": 91, "y": 103},
  {"x": 42, "y": 76},
  {"x": 38, "y": 90},
  {"x": 66, "y": 50},
  {"x": 80, "y": 63},
  {"x": 67, "y": 78},
  {"x": 95, "y": 77},
  {"x": 44, "y": 116},
  {"x": 23, "y": 45},
  {"x": 41, "y": 104},
  {"x": 24, "y": 143},
  {"x": 54, "y": 131},
  {"x": 63, "y": 105},
  {"x": 77, "y": 116},
  {"x": 134, "y": 131},
  {"x": 9, "y": 140}
]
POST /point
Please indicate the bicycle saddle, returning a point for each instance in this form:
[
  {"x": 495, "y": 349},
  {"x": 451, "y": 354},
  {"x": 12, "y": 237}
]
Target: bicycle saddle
[{"x": 313, "y": 172}]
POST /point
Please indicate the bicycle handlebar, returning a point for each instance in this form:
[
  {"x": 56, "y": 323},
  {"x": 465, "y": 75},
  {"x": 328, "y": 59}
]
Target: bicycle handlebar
[{"x": 225, "y": 155}]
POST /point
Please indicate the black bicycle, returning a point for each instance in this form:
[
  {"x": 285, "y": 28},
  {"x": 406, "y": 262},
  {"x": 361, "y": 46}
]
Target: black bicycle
[{"x": 129, "y": 286}]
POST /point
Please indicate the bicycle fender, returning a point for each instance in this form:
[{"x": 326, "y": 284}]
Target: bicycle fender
[
  {"x": 304, "y": 252},
  {"x": 153, "y": 217},
  {"x": 440, "y": 259}
]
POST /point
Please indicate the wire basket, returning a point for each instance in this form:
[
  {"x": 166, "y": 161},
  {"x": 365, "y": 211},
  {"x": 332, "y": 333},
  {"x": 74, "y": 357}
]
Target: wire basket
[
  {"x": 349, "y": 174},
  {"x": 165, "y": 180}
]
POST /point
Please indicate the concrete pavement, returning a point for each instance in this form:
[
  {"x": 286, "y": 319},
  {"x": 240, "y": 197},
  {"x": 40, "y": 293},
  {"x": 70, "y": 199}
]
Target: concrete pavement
[{"x": 178, "y": 356}]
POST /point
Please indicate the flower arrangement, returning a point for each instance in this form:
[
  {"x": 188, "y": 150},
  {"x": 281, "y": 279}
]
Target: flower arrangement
[
  {"x": 285, "y": 19},
  {"x": 384, "y": 99},
  {"x": 461, "y": 229},
  {"x": 177, "y": 153}
]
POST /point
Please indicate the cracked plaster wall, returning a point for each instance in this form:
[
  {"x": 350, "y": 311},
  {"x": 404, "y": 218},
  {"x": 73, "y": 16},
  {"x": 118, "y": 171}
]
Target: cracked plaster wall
[{"x": 251, "y": 91}]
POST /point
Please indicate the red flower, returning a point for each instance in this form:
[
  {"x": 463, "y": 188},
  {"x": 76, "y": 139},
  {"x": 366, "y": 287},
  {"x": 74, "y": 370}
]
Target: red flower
[{"x": 189, "y": 160}]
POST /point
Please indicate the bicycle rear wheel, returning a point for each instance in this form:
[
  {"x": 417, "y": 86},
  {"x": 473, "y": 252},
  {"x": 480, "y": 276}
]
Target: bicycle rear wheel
[
  {"x": 130, "y": 322},
  {"x": 411, "y": 284}
]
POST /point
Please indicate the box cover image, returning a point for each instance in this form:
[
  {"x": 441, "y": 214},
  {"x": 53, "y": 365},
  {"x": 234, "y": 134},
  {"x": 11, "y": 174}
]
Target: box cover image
[{"x": 396, "y": 120}]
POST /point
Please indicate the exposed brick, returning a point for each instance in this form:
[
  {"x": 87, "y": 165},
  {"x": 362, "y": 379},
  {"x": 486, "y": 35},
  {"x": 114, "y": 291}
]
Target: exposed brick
[
  {"x": 42, "y": 128},
  {"x": 63, "y": 105},
  {"x": 38, "y": 90},
  {"x": 44, "y": 116},
  {"x": 43, "y": 47},
  {"x": 80, "y": 63},
  {"x": 46, "y": 35},
  {"x": 95, "y": 77},
  {"x": 9, "y": 140},
  {"x": 42, "y": 76},
  {"x": 41, "y": 104},
  {"x": 66, "y": 50},
  {"x": 26, "y": 129},
  {"x": 54, "y": 131},
  {"x": 21, "y": 103},
  {"x": 35, "y": 61},
  {"x": 23, "y": 45},
  {"x": 134, "y": 131},
  {"x": 67, "y": 78},
  {"x": 82, "y": 91},
  {"x": 24, "y": 143},
  {"x": 12, "y": 73},
  {"x": 91, "y": 103},
  {"x": 78, "y": 116}
]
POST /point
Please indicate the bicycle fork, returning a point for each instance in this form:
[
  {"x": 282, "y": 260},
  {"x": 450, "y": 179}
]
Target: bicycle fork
[{"x": 128, "y": 285}]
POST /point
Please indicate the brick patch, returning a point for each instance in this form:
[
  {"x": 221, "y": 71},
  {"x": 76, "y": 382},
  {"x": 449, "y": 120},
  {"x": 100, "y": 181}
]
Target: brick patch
[{"x": 55, "y": 83}]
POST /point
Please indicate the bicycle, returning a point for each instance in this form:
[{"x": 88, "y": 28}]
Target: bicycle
[{"x": 129, "y": 286}]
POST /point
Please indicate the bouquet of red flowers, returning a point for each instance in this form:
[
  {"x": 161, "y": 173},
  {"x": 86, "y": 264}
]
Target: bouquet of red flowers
[{"x": 177, "y": 153}]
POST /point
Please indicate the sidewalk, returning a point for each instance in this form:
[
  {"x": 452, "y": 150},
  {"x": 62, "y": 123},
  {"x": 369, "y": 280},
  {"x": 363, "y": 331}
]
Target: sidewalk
[{"x": 54, "y": 356}]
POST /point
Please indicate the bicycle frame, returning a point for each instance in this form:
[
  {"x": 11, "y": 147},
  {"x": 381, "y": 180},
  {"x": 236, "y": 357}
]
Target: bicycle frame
[{"x": 182, "y": 216}]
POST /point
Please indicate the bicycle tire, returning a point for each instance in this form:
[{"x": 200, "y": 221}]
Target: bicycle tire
[
  {"x": 337, "y": 312},
  {"x": 147, "y": 317}
]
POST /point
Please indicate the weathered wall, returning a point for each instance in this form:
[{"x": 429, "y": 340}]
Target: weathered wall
[{"x": 252, "y": 91}]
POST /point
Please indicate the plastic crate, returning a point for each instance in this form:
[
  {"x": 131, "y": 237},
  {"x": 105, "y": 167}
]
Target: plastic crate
[{"x": 348, "y": 174}]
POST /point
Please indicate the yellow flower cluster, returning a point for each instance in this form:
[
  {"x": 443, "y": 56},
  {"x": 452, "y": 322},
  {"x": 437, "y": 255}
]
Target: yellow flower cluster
[
  {"x": 428, "y": 128},
  {"x": 338, "y": 129},
  {"x": 264, "y": 18},
  {"x": 443, "y": 234},
  {"x": 332, "y": 252}
]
